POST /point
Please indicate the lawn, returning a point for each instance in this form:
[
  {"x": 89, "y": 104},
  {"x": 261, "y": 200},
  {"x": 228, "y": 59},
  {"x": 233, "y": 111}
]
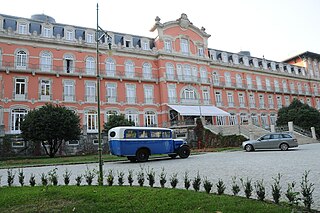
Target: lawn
[{"x": 125, "y": 199}]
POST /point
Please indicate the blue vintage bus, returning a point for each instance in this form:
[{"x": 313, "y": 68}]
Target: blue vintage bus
[{"x": 138, "y": 143}]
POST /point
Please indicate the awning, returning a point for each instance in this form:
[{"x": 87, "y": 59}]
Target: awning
[{"x": 199, "y": 110}]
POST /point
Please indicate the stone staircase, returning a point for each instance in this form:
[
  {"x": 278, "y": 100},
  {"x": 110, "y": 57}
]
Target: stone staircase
[{"x": 302, "y": 139}]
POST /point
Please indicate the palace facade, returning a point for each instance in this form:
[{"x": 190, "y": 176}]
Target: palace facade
[{"x": 163, "y": 81}]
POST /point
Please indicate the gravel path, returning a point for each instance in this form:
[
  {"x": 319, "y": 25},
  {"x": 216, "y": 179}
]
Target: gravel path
[{"x": 223, "y": 165}]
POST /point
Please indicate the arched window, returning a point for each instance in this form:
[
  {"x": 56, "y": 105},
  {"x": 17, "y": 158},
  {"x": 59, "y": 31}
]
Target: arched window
[
  {"x": 239, "y": 80},
  {"x": 216, "y": 80},
  {"x": 146, "y": 71},
  {"x": 91, "y": 119},
  {"x": 284, "y": 86},
  {"x": 17, "y": 116},
  {"x": 227, "y": 77},
  {"x": 68, "y": 63},
  {"x": 189, "y": 96},
  {"x": 90, "y": 66},
  {"x": 133, "y": 115},
  {"x": 110, "y": 67},
  {"x": 187, "y": 72},
  {"x": 110, "y": 113},
  {"x": 45, "y": 61},
  {"x": 150, "y": 118},
  {"x": 21, "y": 60},
  {"x": 249, "y": 82},
  {"x": 170, "y": 71},
  {"x": 306, "y": 89},
  {"x": 129, "y": 69},
  {"x": 203, "y": 75}
]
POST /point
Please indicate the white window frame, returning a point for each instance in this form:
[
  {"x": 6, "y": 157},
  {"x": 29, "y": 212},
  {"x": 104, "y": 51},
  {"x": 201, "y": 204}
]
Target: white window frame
[
  {"x": 90, "y": 65},
  {"x": 111, "y": 92},
  {"x": 242, "y": 102},
  {"x": 184, "y": 45},
  {"x": 172, "y": 93},
  {"x": 133, "y": 115},
  {"x": 16, "y": 117},
  {"x": 148, "y": 94},
  {"x": 230, "y": 99},
  {"x": 218, "y": 97},
  {"x": 22, "y": 28},
  {"x": 20, "y": 88},
  {"x": 110, "y": 67},
  {"x": 91, "y": 118},
  {"x": 129, "y": 69},
  {"x": 90, "y": 91},
  {"x": 170, "y": 71},
  {"x": 150, "y": 118},
  {"x": 21, "y": 59},
  {"x": 147, "y": 71},
  {"x": 131, "y": 93},
  {"x": 168, "y": 45},
  {"x": 252, "y": 101},
  {"x": 45, "y": 90},
  {"x": 46, "y": 61},
  {"x": 69, "y": 90}
]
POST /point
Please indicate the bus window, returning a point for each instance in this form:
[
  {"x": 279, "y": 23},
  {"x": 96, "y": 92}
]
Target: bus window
[
  {"x": 143, "y": 134},
  {"x": 166, "y": 134},
  {"x": 130, "y": 133},
  {"x": 155, "y": 134}
]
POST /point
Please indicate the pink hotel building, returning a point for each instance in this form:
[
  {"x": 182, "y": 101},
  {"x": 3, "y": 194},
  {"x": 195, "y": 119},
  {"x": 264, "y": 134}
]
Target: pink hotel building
[{"x": 164, "y": 81}]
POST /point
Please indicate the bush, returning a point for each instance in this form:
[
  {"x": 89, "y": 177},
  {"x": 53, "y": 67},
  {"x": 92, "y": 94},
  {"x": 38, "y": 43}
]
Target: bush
[
  {"x": 11, "y": 176},
  {"x": 78, "y": 180},
  {"x": 307, "y": 190},
  {"x": 260, "y": 190},
  {"x": 89, "y": 175},
  {"x": 196, "y": 182},
  {"x": 44, "y": 179},
  {"x": 32, "y": 180},
  {"x": 151, "y": 177},
  {"x": 174, "y": 180},
  {"x": 207, "y": 185},
  {"x": 187, "y": 181},
  {"x": 140, "y": 177},
  {"x": 21, "y": 177},
  {"x": 247, "y": 186},
  {"x": 53, "y": 176},
  {"x": 292, "y": 195},
  {"x": 235, "y": 186},
  {"x": 110, "y": 177},
  {"x": 66, "y": 177},
  {"x": 276, "y": 189},
  {"x": 130, "y": 177},
  {"x": 163, "y": 178},
  {"x": 120, "y": 178},
  {"x": 220, "y": 187}
]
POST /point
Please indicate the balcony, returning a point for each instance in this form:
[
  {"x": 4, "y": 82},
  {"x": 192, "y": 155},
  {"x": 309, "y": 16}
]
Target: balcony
[
  {"x": 189, "y": 101},
  {"x": 111, "y": 99},
  {"x": 149, "y": 100},
  {"x": 131, "y": 100},
  {"x": 69, "y": 98},
  {"x": 90, "y": 98}
]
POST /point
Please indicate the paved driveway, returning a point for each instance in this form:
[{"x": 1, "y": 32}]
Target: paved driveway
[{"x": 224, "y": 165}]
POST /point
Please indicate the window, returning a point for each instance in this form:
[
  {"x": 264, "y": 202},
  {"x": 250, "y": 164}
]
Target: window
[
  {"x": 306, "y": 89},
  {"x": 249, "y": 82},
  {"x": 18, "y": 143},
  {"x": 45, "y": 90},
  {"x": 315, "y": 89},
  {"x": 22, "y": 28},
  {"x": 224, "y": 57},
  {"x": 20, "y": 89},
  {"x": 241, "y": 100},
  {"x": 292, "y": 87},
  {"x": 90, "y": 38},
  {"x": 216, "y": 80},
  {"x": 279, "y": 102},
  {"x": 129, "y": 69},
  {"x": 179, "y": 72},
  {"x": 133, "y": 116},
  {"x": 68, "y": 63},
  {"x": 227, "y": 77},
  {"x": 21, "y": 60},
  {"x": 259, "y": 83},
  {"x": 239, "y": 80},
  {"x": 252, "y": 101},
  {"x": 110, "y": 67},
  {"x": 299, "y": 88},
  {"x": 1, "y": 115},
  {"x": 146, "y": 71},
  {"x": 188, "y": 94},
  {"x": 150, "y": 118},
  {"x": 47, "y": 32},
  {"x": 170, "y": 71},
  {"x": 68, "y": 91},
  {"x": 187, "y": 72},
  {"x": 245, "y": 61},
  {"x": 255, "y": 62},
  {"x": 270, "y": 102},
  {"x": 206, "y": 96},
  {"x": 276, "y": 86},
  {"x": 145, "y": 45},
  {"x": 233, "y": 119},
  {"x": 318, "y": 104},
  {"x": 45, "y": 61},
  {"x": 273, "y": 119},
  {"x": 172, "y": 95},
  {"x": 203, "y": 75},
  {"x": 184, "y": 45},
  {"x": 284, "y": 86},
  {"x": 90, "y": 66},
  {"x": 168, "y": 45},
  {"x": 261, "y": 102},
  {"x": 200, "y": 51},
  {"x": 73, "y": 143},
  {"x": 309, "y": 102},
  {"x": 268, "y": 84},
  {"x": 287, "y": 101},
  {"x": 91, "y": 119},
  {"x": 111, "y": 93},
  {"x": 131, "y": 93},
  {"x": 17, "y": 116},
  {"x": 254, "y": 119},
  {"x": 148, "y": 94},
  {"x": 218, "y": 97},
  {"x": 127, "y": 42},
  {"x": 110, "y": 113},
  {"x": 69, "y": 35},
  {"x": 90, "y": 91},
  {"x": 230, "y": 99}
]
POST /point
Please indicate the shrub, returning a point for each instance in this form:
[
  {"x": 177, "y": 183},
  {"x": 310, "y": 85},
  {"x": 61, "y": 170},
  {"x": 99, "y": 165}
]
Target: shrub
[
  {"x": 220, "y": 187},
  {"x": 247, "y": 186},
  {"x": 21, "y": 177},
  {"x": 235, "y": 186},
  {"x": 307, "y": 190},
  {"x": 0, "y": 179},
  {"x": 276, "y": 188},
  {"x": 110, "y": 177},
  {"x": 53, "y": 176},
  {"x": 174, "y": 180},
  {"x": 207, "y": 185},
  {"x": 44, "y": 179},
  {"x": 260, "y": 190},
  {"x": 89, "y": 175},
  {"x": 292, "y": 195},
  {"x": 120, "y": 178},
  {"x": 11, "y": 176},
  {"x": 32, "y": 180},
  {"x": 140, "y": 177},
  {"x": 196, "y": 182},
  {"x": 66, "y": 177},
  {"x": 163, "y": 178},
  {"x": 151, "y": 177},
  {"x": 130, "y": 177},
  {"x": 78, "y": 180},
  {"x": 187, "y": 181}
]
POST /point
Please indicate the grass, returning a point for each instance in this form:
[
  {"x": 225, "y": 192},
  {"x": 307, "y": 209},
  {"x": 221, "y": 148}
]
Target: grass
[
  {"x": 16, "y": 162},
  {"x": 125, "y": 199}
]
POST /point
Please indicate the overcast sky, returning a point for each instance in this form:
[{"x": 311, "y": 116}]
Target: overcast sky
[{"x": 275, "y": 29}]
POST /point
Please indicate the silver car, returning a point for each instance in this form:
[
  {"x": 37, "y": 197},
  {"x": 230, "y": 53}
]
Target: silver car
[{"x": 279, "y": 140}]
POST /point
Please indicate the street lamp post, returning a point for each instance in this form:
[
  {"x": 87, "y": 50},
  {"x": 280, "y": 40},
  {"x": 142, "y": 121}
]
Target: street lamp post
[{"x": 104, "y": 33}]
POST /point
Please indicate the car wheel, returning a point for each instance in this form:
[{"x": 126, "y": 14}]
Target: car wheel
[
  {"x": 184, "y": 152},
  {"x": 132, "y": 159},
  {"x": 284, "y": 147},
  {"x": 249, "y": 148},
  {"x": 173, "y": 156},
  {"x": 142, "y": 155}
]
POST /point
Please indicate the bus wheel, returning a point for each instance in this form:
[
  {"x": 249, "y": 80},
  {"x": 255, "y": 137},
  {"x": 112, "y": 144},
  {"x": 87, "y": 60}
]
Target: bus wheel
[
  {"x": 132, "y": 159},
  {"x": 173, "y": 156},
  {"x": 184, "y": 152},
  {"x": 142, "y": 155}
]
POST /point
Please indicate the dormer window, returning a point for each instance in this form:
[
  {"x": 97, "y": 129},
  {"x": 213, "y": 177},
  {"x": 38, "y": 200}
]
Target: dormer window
[
  {"x": 145, "y": 45},
  {"x": 235, "y": 59},
  {"x": 47, "y": 32},
  {"x": 273, "y": 66},
  {"x": 245, "y": 61},
  {"x": 184, "y": 46},
  {"x": 200, "y": 51},
  {"x": 127, "y": 41},
  {"x": 69, "y": 34},
  {"x": 255, "y": 62},
  {"x": 264, "y": 64},
  {"x": 22, "y": 28},
  {"x": 224, "y": 57},
  {"x": 213, "y": 55},
  {"x": 90, "y": 38},
  {"x": 168, "y": 45}
]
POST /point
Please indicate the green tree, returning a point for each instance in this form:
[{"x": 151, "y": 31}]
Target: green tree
[
  {"x": 301, "y": 115},
  {"x": 50, "y": 125},
  {"x": 116, "y": 120}
]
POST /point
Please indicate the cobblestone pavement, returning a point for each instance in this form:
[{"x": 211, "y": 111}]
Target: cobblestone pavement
[{"x": 223, "y": 165}]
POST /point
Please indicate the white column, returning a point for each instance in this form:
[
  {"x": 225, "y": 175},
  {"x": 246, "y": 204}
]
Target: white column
[
  {"x": 290, "y": 125},
  {"x": 273, "y": 128},
  {"x": 313, "y": 132}
]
